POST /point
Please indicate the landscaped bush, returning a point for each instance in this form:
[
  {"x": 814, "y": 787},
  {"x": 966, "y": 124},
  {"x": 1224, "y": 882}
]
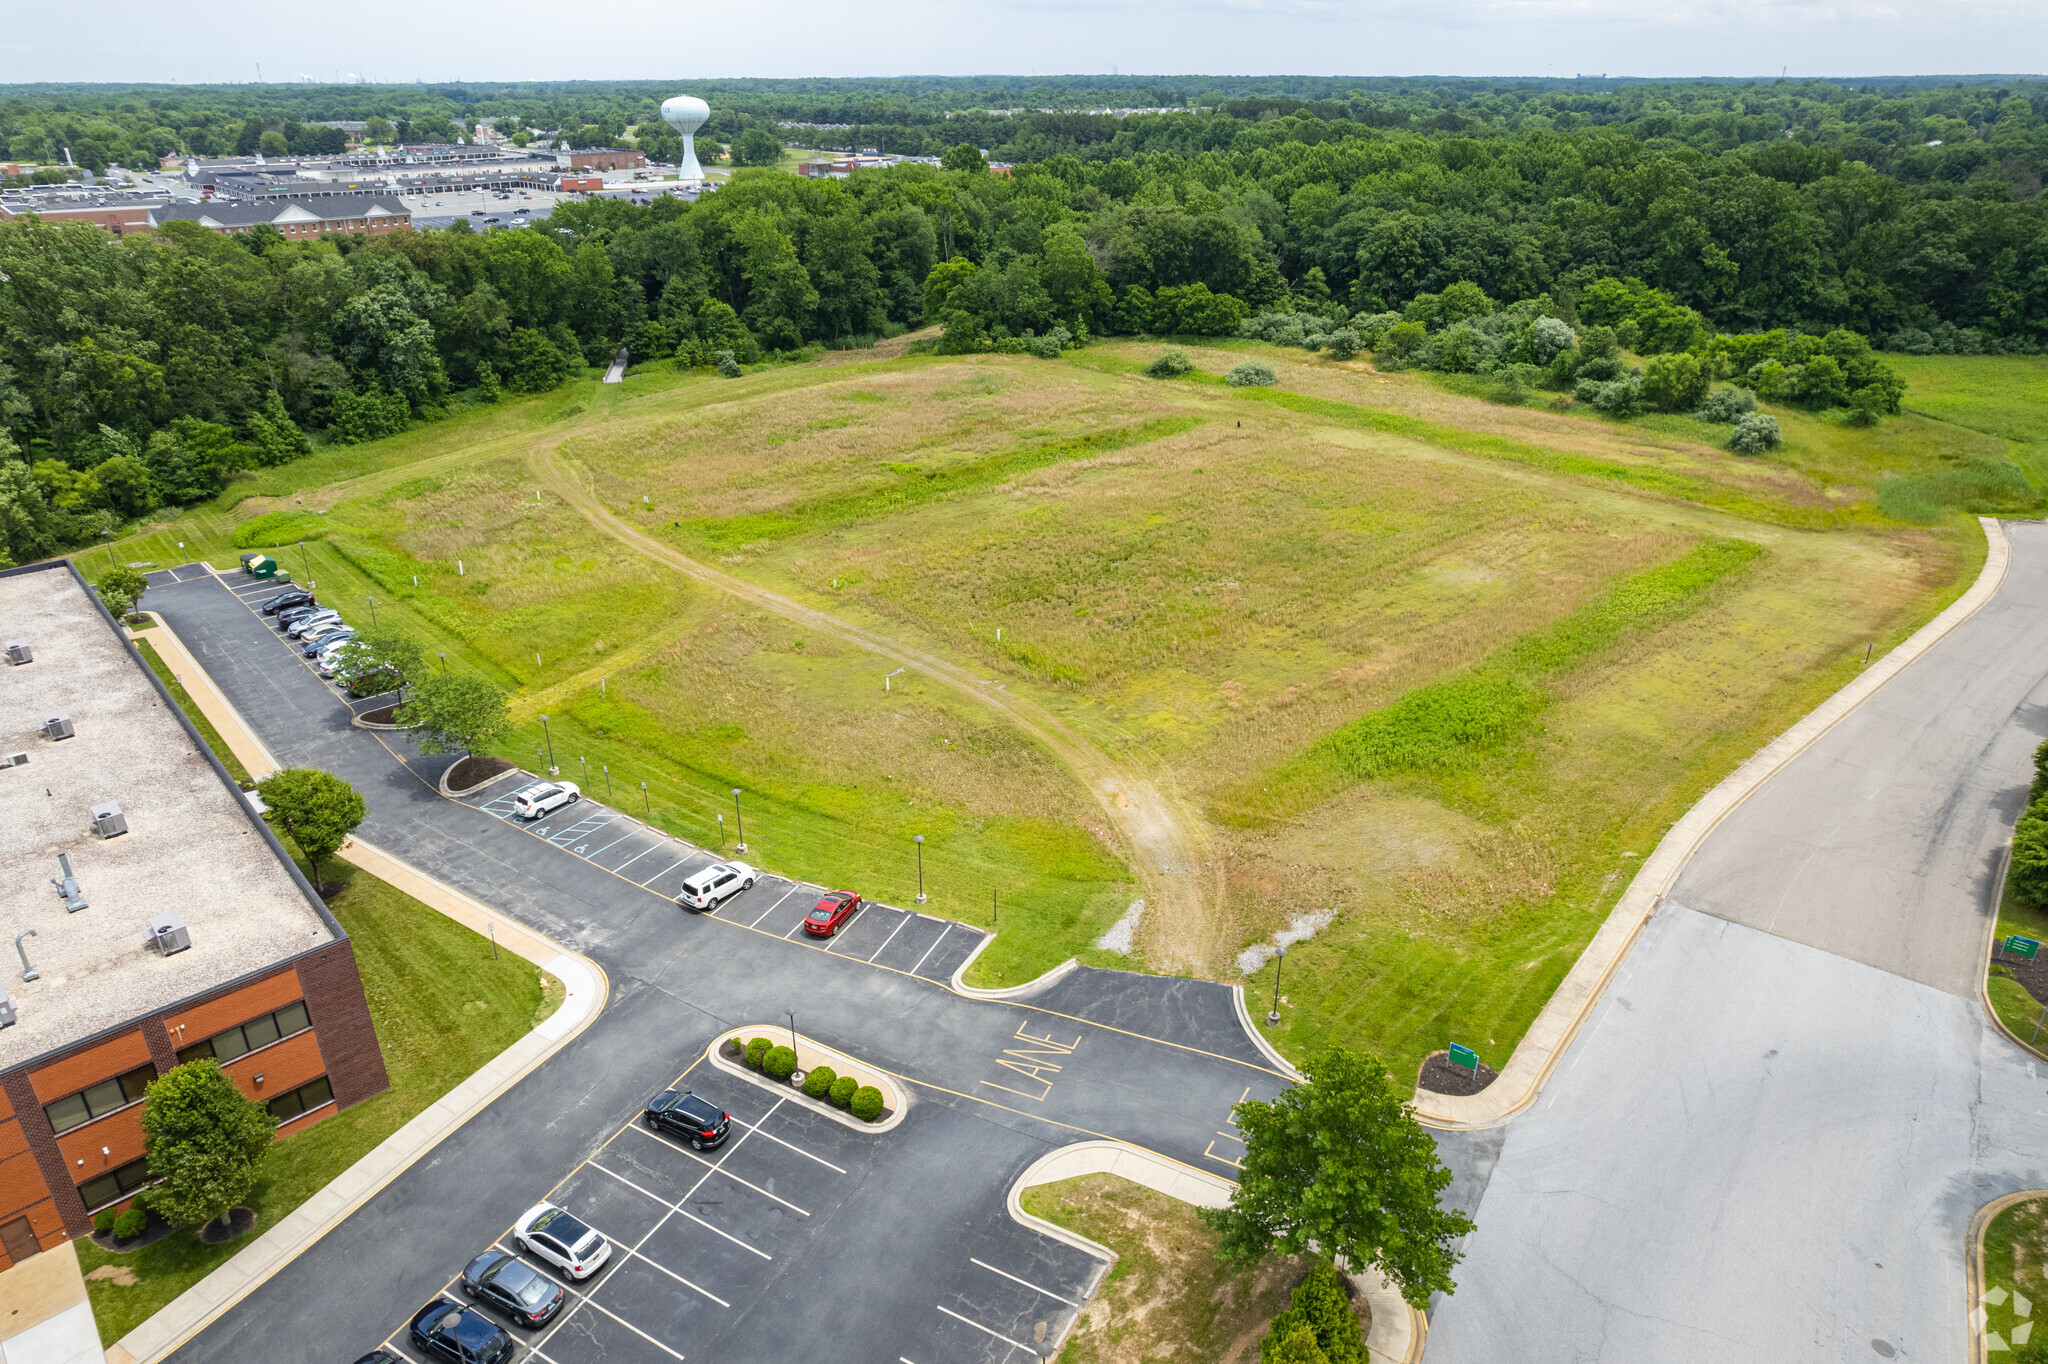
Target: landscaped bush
[
  {"x": 818, "y": 1081},
  {"x": 779, "y": 1063},
  {"x": 1251, "y": 374},
  {"x": 1320, "y": 1323},
  {"x": 867, "y": 1103},
  {"x": 131, "y": 1223},
  {"x": 842, "y": 1090},
  {"x": 1755, "y": 434},
  {"x": 728, "y": 368},
  {"x": 1727, "y": 406},
  {"x": 756, "y": 1050},
  {"x": 1171, "y": 365},
  {"x": 2029, "y": 873},
  {"x": 103, "y": 1220}
]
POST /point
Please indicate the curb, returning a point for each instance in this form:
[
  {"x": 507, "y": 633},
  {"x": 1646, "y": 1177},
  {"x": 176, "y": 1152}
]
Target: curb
[
  {"x": 1990, "y": 938},
  {"x": 1244, "y": 1018},
  {"x": 212, "y": 703},
  {"x": 1029, "y": 987},
  {"x": 441, "y": 782},
  {"x": 1397, "y": 1330},
  {"x": 1973, "y": 1265},
  {"x": 896, "y": 1098},
  {"x": 1553, "y": 1030},
  {"x": 200, "y": 1305}
]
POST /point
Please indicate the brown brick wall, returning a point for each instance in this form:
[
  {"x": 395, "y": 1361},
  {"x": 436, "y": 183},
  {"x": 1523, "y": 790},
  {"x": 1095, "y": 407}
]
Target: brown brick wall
[
  {"x": 85, "y": 1068},
  {"x": 21, "y": 1179},
  {"x": 69, "y": 1210},
  {"x": 103, "y": 1144},
  {"x": 283, "y": 1065},
  {"x": 222, "y": 1012},
  {"x": 341, "y": 1016}
]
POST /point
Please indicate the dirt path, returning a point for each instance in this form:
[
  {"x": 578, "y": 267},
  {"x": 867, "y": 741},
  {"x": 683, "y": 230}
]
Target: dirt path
[{"x": 1168, "y": 847}]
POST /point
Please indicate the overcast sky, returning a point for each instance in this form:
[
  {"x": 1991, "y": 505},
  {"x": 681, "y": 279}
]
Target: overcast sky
[{"x": 385, "y": 40}]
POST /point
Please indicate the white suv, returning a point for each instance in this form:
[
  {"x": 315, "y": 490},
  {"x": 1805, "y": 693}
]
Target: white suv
[
  {"x": 544, "y": 798},
  {"x": 716, "y": 884}
]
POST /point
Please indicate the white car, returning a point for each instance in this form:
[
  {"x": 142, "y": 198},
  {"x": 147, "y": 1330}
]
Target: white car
[
  {"x": 314, "y": 624},
  {"x": 544, "y": 798},
  {"x": 716, "y": 884},
  {"x": 547, "y": 1232}
]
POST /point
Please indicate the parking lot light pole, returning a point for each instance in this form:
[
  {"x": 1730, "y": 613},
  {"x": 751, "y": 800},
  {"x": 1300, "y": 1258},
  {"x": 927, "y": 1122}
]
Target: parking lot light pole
[
  {"x": 305, "y": 563},
  {"x": 607, "y": 780},
  {"x": 919, "y": 840},
  {"x": 792, "y": 1028},
  {"x": 738, "y": 823},
  {"x": 1279, "y": 960},
  {"x": 444, "y": 664},
  {"x": 553, "y": 770},
  {"x": 373, "y": 610},
  {"x": 645, "y": 802}
]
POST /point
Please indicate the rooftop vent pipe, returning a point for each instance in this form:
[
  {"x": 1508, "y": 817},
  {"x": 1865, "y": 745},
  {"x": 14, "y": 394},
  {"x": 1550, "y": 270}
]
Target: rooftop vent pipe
[{"x": 68, "y": 886}]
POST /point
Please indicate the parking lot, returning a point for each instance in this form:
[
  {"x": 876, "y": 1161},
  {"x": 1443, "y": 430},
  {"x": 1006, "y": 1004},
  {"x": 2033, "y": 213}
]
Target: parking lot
[{"x": 701, "y": 1240}]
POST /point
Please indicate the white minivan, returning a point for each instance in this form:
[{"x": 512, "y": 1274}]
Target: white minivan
[{"x": 716, "y": 884}]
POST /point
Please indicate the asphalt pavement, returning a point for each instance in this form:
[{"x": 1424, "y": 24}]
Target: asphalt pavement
[
  {"x": 1770, "y": 1137},
  {"x": 905, "y": 1248}
]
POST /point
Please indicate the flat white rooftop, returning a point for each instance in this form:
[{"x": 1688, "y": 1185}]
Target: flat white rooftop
[{"x": 190, "y": 847}]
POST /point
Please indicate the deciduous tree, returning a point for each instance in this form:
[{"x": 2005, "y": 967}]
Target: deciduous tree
[
  {"x": 205, "y": 1143},
  {"x": 317, "y": 810}
]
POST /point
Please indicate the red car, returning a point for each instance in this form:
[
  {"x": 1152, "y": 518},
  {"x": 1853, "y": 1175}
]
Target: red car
[{"x": 834, "y": 909}]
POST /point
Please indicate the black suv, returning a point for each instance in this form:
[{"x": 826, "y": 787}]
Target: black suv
[
  {"x": 683, "y": 1114},
  {"x": 298, "y": 596},
  {"x": 445, "y": 1329},
  {"x": 514, "y": 1287}
]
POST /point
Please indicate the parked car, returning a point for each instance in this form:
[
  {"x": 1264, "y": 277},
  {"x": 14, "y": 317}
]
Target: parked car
[
  {"x": 834, "y": 908},
  {"x": 298, "y": 596},
  {"x": 380, "y": 1357},
  {"x": 372, "y": 684},
  {"x": 717, "y": 883},
  {"x": 305, "y": 626},
  {"x": 320, "y": 641},
  {"x": 299, "y": 612},
  {"x": 514, "y": 1287},
  {"x": 548, "y": 1233},
  {"x": 544, "y": 798},
  {"x": 681, "y": 1113},
  {"x": 445, "y": 1329}
]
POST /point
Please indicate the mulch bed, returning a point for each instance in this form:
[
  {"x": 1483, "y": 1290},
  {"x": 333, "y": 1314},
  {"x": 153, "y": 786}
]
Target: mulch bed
[
  {"x": 1439, "y": 1076},
  {"x": 240, "y": 1222},
  {"x": 380, "y": 716},
  {"x": 2032, "y": 975},
  {"x": 156, "y": 1231},
  {"x": 472, "y": 770}
]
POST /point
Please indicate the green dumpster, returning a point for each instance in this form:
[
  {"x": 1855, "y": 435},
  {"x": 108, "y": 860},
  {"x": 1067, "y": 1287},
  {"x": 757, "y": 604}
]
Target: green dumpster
[{"x": 259, "y": 565}]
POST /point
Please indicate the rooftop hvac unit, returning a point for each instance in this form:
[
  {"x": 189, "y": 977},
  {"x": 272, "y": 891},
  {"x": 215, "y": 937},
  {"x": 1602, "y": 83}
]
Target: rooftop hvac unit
[
  {"x": 108, "y": 821},
  {"x": 14, "y": 760},
  {"x": 6, "y": 1010},
  {"x": 167, "y": 932},
  {"x": 18, "y": 652},
  {"x": 57, "y": 725}
]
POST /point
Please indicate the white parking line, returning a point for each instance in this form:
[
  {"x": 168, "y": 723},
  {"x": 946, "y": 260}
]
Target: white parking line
[
  {"x": 636, "y": 1255},
  {"x": 778, "y": 904},
  {"x": 395, "y": 1350},
  {"x": 615, "y": 843},
  {"x": 663, "y": 872},
  {"x": 681, "y": 1150},
  {"x": 678, "y": 1208},
  {"x": 979, "y": 1327},
  {"x": 933, "y": 948},
  {"x": 891, "y": 938},
  {"x": 585, "y": 1300},
  {"x": 635, "y": 858},
  {"x": 1026, "y": 1282},
  {"x": 798, "y": 1149}
]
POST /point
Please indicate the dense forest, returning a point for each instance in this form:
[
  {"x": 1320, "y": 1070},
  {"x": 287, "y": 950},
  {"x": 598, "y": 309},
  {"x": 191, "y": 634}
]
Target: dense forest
[{"x": 145, "y": 371}]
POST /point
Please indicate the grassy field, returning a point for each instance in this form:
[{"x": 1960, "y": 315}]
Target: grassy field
[
  {"x": 2016, "y": 1273},
  {"x": 1167, "y": 1296},
  {"x": 1220, "y": 589}
]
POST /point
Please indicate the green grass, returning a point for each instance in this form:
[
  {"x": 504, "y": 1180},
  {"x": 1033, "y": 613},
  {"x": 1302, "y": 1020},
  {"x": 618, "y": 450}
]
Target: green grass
[
  {"x": 2000, "y": 395},
  {"x": 442, "y": 1008},
  {"x": 1167, "y": 1296},
  {"x": 2015, "y": 1249},
  {"x": 197, "y": 716},
  {"x": 2015, "y": 1007}
]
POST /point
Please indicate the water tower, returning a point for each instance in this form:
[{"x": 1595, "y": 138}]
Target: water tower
[{"x": 686, "y": 114}]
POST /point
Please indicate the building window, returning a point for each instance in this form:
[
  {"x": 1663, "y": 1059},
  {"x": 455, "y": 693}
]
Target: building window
[
  {"x": 257, "y": 1032},
  {"x": 102, "y": 1099},
  {"x": 114, "y": 1185},
  {"x": 304, "y": 1099}
]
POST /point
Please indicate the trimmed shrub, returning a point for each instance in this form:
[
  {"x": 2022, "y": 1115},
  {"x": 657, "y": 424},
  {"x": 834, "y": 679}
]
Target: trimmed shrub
[
  {"x": 1251, "y": 374},
  {"x": 2040, "y": 786},
  {"x": 757, "y": 1049},
  {"x": 818, "y": 1081},
  {"x": 779, "y": 1063},
  {"x": 1321, "y": 1312},
  {"x": 867, "y": 1103},
  {"x": 2029, "y": 873},
  {"x": 1171, "y": 365},
  {"x": 131, "y": 1224},
  {"x": 1755, "y": 434},
  {"x": 842, "y": 1090},
  {"x": 728, "y": 368},
  {"x": 103, "y": 1220},
  {"x": 1727, "y": 406}
]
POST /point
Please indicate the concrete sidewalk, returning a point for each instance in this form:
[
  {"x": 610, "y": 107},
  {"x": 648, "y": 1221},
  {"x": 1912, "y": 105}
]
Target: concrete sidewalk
[{"x": 586, "y": 986}]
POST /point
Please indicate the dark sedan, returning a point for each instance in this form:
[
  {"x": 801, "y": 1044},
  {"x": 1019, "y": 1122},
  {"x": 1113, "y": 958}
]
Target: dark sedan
[
  {"x": 685, "y": 1115},
  {"x": 296, "y": 597},
  {"x": 445, "y": 1329},
  {"x": 514, "y": 1287}
]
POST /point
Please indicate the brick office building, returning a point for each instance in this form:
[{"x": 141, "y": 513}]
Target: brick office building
[
  {"x": 314, "y": 215},
  {"x": 607, "y": 159},
  {"x": 196, "y": 937}
]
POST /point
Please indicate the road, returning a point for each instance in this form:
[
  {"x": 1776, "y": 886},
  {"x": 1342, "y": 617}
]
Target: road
[
  {"x": 1770, "y": 1138},
  {"x": 894, "y": 1249}
]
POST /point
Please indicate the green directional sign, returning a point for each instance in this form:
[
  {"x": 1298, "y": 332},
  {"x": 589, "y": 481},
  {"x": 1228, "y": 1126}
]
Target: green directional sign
[
  {"x": 2016, "y": 946},
  {"x": 1466, "y": 1057}
]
